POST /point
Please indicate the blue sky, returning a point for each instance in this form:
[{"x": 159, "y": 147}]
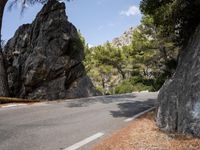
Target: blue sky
[{"x": 98, "y": 20}]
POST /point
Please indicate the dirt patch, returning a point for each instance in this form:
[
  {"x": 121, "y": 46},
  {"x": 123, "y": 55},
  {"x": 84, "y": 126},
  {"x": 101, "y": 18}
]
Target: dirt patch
[{"x": 143, "y": 134}]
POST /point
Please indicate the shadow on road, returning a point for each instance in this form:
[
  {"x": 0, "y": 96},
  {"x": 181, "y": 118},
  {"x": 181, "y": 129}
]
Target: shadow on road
[
  {"x": 129, "y": 109},
  {"x": 102, "y": 99}
]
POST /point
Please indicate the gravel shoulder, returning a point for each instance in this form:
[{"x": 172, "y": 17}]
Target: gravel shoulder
[{"x": 143, "y": 134}]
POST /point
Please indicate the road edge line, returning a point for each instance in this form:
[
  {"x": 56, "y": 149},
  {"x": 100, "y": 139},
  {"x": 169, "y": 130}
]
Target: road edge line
[
  {"x": 85, "y": 141},
  {"x": 140, "y": 114}
]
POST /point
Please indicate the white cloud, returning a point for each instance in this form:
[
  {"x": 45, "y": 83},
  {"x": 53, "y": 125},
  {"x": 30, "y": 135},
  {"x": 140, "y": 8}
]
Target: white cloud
[{"x": 132, "y": 11}]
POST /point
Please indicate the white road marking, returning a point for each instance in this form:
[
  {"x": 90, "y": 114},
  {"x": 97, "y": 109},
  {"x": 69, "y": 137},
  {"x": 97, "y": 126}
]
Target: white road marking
[
  {"x": 85, "y": 141},
  {"x": 12, "y": 105},
  {"x": 136, "y": 116},
  {"x": 39, "y": 104},
  {"x": 144, "y": 91}
]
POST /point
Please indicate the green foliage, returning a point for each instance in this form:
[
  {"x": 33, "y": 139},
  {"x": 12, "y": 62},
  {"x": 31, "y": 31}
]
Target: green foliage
[
  {"x": 143, "y": 65},
  {"x": 135, "y": 83},
  {"x": 174, "y": 18},
  {"x": 124, "y": 87}
]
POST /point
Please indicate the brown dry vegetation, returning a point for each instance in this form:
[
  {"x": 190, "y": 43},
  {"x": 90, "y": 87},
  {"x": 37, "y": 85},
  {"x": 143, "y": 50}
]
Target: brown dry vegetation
[
  {"x": 16, "y": 100},
  {"x": 142, "y": 134}
]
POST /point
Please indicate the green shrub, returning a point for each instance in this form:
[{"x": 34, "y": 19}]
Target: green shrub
[
  {"x": 124, "y": 87},
  {"x": 135, "y": 83}
]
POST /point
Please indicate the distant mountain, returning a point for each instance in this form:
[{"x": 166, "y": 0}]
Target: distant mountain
[{"x": 124, "y": 40}]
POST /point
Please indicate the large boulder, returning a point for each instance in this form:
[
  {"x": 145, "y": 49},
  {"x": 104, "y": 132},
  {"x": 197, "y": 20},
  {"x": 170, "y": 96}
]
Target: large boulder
[
  {"x": 45, "y": 58},
  {"x": 179, "y": 98}
]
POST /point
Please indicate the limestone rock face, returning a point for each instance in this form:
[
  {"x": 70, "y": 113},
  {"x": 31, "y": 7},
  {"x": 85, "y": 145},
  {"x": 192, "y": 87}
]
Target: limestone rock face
[
  {"x": 179, "y": 98},
  {"x": 45, "y": 58},
  {"x": 125, "y": 39}
]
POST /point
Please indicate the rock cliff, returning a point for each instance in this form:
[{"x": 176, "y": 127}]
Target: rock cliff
[
  {"x": 125, "y": 39},
  {"x": 179, "y": 98},
  {"x": 45, "y": 58}
]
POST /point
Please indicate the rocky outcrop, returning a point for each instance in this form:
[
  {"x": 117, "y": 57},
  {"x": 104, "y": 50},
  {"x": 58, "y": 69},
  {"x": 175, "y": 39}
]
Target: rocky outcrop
[
  {"x": 124, "y": 40},
  {"x": 179, "y": 98},
  {"x": 45, "y": 58}
]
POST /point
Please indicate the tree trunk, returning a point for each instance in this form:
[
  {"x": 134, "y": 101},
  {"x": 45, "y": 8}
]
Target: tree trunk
[
  {"x": 121, "y": 72},
  {"x": 4, "y": 90}
]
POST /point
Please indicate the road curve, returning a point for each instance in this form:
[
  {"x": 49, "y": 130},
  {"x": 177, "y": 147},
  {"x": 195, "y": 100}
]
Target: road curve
[{"x": 68, "y": 124}]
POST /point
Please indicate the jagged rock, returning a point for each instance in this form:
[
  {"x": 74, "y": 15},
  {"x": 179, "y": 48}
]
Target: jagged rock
[
  {"x": 179, "y": 98},
  {"x": 125, "y": 39},
  {"x": 45, "y": 58}
]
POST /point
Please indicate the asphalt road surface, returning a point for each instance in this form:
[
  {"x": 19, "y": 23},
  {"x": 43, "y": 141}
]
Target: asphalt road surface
[{"x": 71, "y": 124}]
